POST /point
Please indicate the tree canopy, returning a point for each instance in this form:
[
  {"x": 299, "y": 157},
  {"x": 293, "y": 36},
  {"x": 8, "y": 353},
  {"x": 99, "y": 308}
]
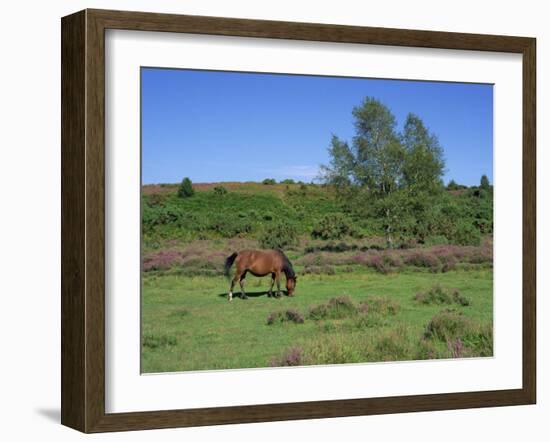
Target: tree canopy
[{"x": 393, "y": 173}]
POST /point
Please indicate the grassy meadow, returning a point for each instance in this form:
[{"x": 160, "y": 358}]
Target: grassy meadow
[{"x": 356, "y": 299}]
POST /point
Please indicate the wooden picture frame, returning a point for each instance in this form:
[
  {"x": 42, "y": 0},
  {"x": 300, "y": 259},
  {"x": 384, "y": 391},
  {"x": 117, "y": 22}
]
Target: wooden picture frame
[{"x": 83, "y": 220}]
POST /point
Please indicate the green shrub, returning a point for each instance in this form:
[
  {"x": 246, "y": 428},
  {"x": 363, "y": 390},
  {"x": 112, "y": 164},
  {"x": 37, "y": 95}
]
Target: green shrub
[
  {"x": 436, "y": 240},
  {"x": 220, "y": 190},
  {"x": 333, "y": 226},
  {"x": 465, "y": 234},
  {"x": 279, "y": 236},
  {"x": 288, "y": 181},
  {"x": 186, "y": 188},
  {"x": 269, "y": 181}
]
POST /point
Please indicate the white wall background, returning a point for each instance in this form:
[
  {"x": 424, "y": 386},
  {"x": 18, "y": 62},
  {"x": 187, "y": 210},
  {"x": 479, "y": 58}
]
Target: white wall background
[{"x": 30, "y": 216}]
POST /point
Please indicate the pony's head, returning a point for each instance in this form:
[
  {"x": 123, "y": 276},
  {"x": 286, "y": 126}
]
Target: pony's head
[{"x": 291, "y": 285}]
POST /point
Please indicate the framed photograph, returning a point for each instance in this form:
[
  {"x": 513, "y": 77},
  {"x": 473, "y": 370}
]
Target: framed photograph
[{"x": 266, "y": 221}]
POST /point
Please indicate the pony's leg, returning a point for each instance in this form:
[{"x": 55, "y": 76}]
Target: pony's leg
[
  {"x": 230, "y": 295},
  {"x": 278, "y": 279},
  {"x": 270, "y": 292},
  {"x": 241, "y": 282}
]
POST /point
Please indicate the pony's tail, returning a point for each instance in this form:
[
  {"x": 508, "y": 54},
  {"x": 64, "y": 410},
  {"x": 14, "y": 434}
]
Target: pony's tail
[{"x": 228, "y": 263}]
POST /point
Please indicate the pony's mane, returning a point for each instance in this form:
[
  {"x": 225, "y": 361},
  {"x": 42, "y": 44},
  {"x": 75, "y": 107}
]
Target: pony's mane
[{"x": 287, "y": 266}]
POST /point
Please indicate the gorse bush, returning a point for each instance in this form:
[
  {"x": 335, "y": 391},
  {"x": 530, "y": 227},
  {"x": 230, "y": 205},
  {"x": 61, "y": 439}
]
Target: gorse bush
[
  {"x": 466, "y": 234},
  {"x": 279, "y": 236},
  {"x": 186, "y": 188},
  {"x": 333, "y": 226}
]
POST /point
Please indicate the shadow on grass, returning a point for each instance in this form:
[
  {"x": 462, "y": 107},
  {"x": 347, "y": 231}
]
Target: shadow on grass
[{"x": 237, "y": 295}]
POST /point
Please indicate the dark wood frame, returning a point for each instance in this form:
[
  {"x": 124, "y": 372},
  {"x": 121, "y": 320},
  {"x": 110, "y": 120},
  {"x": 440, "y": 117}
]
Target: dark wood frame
[{"x": 83, "y": 217}]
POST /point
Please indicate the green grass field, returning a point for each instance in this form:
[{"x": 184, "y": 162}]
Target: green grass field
[{"x": 188, "y": 323}]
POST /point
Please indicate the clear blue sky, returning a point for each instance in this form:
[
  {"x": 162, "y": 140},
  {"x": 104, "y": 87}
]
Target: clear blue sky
[{"x": 224, "y": 126}]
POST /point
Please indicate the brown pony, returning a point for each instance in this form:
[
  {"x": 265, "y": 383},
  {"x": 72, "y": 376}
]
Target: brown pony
[{"x": 261, "y": 263}]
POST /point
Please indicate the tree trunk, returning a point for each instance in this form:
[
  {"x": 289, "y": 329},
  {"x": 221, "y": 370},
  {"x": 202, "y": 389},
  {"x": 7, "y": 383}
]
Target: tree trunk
[{"x": 389, "y": 240}]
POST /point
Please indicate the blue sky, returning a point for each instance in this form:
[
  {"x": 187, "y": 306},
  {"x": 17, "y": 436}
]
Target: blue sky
[{"x": 228, "y": 126}]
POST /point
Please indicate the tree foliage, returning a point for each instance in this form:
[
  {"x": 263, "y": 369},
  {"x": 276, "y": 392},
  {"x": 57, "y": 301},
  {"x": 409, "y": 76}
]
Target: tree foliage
[
  {"x": 186, "y": 188},
  {"x": 389, "y": 174},
  {"x": 484, "y": 183}
]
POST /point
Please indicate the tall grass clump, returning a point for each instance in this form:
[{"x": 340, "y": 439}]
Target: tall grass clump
[
  {"x": 280, "y": 317},
  {"x": 479, "y": 339},
  {"x": 336, "y": 308},
  {"x": 379, "y": 305},
  {"x": 153, "y": 342},
  {"x": 447, "y": 325},
  {"x": 438, "y": 295}
]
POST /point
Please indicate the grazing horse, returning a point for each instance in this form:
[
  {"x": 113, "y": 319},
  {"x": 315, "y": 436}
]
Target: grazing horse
[{"x": 261, "y": 263}]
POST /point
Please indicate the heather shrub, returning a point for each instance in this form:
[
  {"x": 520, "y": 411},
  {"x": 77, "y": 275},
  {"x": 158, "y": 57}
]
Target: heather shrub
[
  {"x": 153, "y": 342},
  {"x": 319, "y": 270},
  {"x": 447, "y": 325},
  {"x": 380, "y": 264},
  {"x": 161, "y": 260},
  {"x": 292, "y": 357},
  {"x": 424, "y": 259},
  {"x": 456, "y": 348},
  {"x": 280, "y": 317},
  {"x": 384, "y": 263},
  {"x": 448, "y": 262}
]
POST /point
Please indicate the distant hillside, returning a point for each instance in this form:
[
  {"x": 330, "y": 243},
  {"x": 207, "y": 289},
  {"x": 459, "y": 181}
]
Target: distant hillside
[{"x": 233, "y": 209}]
